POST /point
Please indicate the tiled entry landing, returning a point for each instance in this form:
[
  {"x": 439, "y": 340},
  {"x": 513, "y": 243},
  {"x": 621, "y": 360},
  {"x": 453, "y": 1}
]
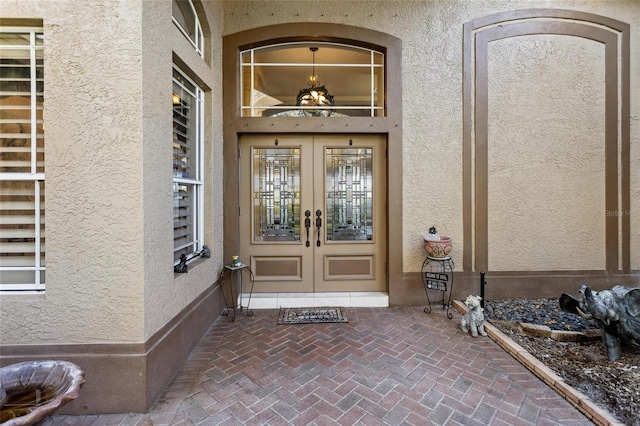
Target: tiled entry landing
[
  {"x": 386, "y": 366},
  {"x": 308, "y": 300}
]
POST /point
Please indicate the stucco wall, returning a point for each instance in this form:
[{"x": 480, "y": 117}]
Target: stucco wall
[
  {"x": 568, "y": 165},
  {"x": 109, "y": 205},
  {"x": 167, "y": 294},
  {"x": 546, "y": 151},
  {"x": 93, "y": 163}
]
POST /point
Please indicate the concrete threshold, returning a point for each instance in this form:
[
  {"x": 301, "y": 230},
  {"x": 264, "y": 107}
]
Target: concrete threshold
[{"x": 360, "y": 299}]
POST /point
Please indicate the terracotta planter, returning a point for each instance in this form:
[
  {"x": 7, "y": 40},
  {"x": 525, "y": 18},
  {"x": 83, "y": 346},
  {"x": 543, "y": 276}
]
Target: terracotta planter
[{"x": 438, "y": 249}]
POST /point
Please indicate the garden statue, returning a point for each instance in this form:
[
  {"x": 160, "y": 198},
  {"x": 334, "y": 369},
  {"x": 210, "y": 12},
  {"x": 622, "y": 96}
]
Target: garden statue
[
  {"x": 617, "y": 312},
  {"x": 474, "y": 318}
]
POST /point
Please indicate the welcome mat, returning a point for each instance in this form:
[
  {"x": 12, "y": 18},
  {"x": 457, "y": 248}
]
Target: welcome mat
[{"x": 311, "y": 315}]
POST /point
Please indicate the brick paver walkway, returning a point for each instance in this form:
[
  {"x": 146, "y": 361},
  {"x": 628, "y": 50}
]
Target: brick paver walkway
[{"x": 387, "y": 366}]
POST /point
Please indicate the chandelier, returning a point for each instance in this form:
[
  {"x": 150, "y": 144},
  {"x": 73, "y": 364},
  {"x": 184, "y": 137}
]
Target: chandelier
[{"x": 315, "y": 95}]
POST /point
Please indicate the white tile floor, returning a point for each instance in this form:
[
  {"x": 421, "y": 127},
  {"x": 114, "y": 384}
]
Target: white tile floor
[{"x": 301, "y": 300}]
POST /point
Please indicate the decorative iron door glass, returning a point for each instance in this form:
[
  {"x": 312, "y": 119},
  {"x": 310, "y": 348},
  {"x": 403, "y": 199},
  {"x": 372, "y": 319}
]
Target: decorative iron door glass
[
  {"x": 349, "y": 194},
  {"x": 276, "y": 194},
  {"x": 312, "y": 212}
]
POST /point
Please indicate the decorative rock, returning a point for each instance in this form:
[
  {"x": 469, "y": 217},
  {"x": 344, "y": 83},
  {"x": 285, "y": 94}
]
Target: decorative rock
[
  {"x": 568, "y": 336},
  {"x": 536, "y": 311},
  {"x": 535, "y": 329}
]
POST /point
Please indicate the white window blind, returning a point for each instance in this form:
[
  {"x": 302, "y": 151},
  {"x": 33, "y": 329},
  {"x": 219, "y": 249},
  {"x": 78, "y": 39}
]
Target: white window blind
[
  {"x": 22, "y": 194},
  {"x": 187, "y": 167}
]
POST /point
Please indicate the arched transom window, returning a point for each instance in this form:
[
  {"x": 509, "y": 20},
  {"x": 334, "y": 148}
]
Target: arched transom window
[
  {"x": 186, "y": 19},
  {"x": 312, "y": 79}
]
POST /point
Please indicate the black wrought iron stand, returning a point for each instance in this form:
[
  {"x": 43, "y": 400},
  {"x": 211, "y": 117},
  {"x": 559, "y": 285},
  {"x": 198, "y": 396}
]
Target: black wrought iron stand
[
  {"x": 228, "y": 274},
  {"x": 437, "y": 274}
]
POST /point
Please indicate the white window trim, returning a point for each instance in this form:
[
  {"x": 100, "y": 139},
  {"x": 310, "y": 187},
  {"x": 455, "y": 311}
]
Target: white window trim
[
  {"x": 198, "y": 43},
  {"x": 33, "y": 176},
  {"x": 198, "y": 182},
  {"x": 372, "y": 65}
]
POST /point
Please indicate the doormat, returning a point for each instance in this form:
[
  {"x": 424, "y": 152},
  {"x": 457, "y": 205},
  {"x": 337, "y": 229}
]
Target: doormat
[{"x": 311, "y": 315}]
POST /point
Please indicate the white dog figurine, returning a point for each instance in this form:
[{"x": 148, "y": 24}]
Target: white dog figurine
[{"x": 474, "y": 318}]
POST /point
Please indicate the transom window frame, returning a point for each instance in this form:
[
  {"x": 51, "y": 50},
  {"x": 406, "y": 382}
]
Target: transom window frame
[
  {"x": 196, "y": 39},
  {"x": 195, "y": 179},
  {"x": 375, "y": 63},
  {"x": 13, "y": 233}
]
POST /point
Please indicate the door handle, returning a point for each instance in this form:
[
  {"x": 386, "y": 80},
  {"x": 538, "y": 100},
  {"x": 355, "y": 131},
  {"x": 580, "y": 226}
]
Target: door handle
[
  {"x": 307, "y": 224},
  {"x": 318, "y": 225}
]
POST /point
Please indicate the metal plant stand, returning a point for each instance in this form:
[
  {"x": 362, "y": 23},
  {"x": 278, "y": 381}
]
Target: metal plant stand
[
  {"x": 437, "y": 274},
  {"x": 229, "y": 273}
]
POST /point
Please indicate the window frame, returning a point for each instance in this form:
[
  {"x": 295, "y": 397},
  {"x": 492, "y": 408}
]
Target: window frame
[
  {"x": 33, "y": 175},
  {"x": 377, "y": 63},
  {"x": 195, "y": 183},
  {"x": 198, "y": 39}
]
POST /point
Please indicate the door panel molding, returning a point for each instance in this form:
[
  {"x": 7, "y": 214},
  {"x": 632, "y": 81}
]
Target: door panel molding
[
  {"x": 269, "y": 268},
  {"x": 349, "y": 268}
]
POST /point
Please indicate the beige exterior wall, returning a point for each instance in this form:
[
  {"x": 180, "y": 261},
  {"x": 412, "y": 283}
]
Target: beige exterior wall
[
  {"x": 166, "y": 295},
  {"x": 546, "y": 151},
  {"x": 109, "y": 205},
  {"x": 94, "y": 169},
  {"x": 546, "y": 177},
  {"x": 109, "y": 214}
]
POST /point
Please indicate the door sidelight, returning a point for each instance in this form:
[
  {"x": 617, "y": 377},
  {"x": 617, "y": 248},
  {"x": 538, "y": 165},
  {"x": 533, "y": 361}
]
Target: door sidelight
[
  {"x": 318, "y": 225},
  {"x": 307, "y": 224}
]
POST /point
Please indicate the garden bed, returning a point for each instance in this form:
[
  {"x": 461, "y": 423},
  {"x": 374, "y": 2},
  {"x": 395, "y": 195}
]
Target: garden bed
[{"x": 583, "y": 364}]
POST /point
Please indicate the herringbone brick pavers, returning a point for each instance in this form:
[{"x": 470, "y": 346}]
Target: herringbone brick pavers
[{"x": 386, "y": 366}]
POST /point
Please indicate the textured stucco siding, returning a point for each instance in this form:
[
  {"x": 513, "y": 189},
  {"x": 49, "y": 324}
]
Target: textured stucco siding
[
  {"x": 166, "y": 294},
  {"x": 109, "y": 205},
  {"x": 546, "y": 154},
  {"x": 556, "y": 192},
  {"x": 93, "y": 168}
]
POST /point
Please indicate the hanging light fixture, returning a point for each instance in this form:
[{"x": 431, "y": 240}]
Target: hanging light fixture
[{"x": 315, "y": 95}]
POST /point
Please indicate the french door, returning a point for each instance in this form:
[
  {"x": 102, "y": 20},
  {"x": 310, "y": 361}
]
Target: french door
[{"x": 313, "y": 212}]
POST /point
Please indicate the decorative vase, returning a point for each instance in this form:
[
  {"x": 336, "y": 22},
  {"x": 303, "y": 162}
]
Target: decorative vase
[{"x": 438, "y": 249}]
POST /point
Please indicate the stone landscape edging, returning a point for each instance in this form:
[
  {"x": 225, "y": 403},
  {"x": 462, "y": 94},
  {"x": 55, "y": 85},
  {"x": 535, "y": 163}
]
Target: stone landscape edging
[{"x": 576, "y": 398}]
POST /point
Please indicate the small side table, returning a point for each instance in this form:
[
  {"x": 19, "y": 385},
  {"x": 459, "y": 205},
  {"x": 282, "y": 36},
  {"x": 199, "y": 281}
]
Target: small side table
[
  {"x": 229, "y": 273},
  {"x": 437, "y": 274}
]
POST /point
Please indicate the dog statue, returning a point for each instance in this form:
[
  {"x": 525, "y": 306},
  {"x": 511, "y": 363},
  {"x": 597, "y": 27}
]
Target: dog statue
[{"x": 474, "y": 318}]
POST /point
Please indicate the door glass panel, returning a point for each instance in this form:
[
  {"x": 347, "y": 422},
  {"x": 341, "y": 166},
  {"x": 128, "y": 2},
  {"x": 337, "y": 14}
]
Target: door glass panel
[
  {"x": 276, "y": 194},
  {"x": 349, "y": 194}
]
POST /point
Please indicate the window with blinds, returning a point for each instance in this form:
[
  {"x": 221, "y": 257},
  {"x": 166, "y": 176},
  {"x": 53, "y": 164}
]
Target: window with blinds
[
  {"x": 186, "y": 19},
  {"x": 187, "y": 167},
  {"x": 22, "y": 250}
]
